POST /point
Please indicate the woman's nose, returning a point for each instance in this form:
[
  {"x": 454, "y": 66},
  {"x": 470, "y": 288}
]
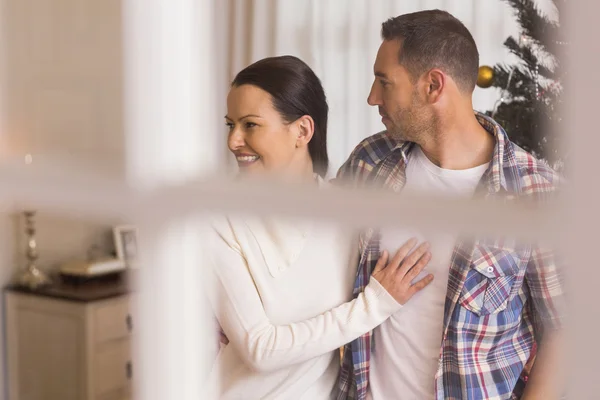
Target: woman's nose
[{"x": 235, "y": 140}]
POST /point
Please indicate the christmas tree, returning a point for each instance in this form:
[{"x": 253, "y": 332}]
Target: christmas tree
[{"x": 529, "y": 107}]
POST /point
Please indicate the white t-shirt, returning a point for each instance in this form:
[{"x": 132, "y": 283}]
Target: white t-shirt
[{"x": 408, "y": 344}]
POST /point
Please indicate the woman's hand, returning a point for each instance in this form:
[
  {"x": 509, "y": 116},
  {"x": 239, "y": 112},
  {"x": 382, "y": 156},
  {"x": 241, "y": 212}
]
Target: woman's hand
[{"x": 397, "y": 275}]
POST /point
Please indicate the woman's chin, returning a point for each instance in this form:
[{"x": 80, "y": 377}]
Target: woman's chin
[
  {"x": 261, "y": 173},
  {"x": 254, "y": 170},
  {"x": 249, "y": 167}
]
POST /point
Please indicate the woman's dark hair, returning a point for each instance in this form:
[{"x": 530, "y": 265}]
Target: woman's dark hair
[{"x": 296, "y": 91}]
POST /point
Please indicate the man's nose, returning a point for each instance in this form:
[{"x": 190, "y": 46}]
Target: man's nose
[{"x": 373, "y": 99}]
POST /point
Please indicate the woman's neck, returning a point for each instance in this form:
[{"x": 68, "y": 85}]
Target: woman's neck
[{"x": 306, "y": 173}]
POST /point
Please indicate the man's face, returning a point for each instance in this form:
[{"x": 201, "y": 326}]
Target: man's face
[{"x": 404, "y": 112}]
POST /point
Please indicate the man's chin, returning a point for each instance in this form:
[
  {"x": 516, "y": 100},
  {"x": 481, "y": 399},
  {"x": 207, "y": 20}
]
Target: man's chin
[
  {"x": 389, "y": 126},
  {"x": 395, "y": 133}
]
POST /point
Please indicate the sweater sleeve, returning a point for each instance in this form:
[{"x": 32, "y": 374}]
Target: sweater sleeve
[{"x": 265, "y": 346}]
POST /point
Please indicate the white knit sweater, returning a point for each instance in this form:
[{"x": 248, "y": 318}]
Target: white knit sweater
[{"x": 281, "y": 291}]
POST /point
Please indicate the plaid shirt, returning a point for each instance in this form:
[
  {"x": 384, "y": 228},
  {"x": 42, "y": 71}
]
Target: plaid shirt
[{"x": 498, "y": 295}]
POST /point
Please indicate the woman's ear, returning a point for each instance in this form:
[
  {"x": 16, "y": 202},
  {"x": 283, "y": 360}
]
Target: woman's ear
[{"x": 306, "y": 129}]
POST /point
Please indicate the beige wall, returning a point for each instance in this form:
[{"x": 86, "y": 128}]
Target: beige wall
[{"x": 63, "y": 100}]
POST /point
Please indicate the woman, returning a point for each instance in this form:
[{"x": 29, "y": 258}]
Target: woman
[{"x": 281, "y": 289}]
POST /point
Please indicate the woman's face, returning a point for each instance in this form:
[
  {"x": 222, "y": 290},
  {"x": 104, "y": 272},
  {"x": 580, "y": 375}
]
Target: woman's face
[{"x": 259, "y": 137}]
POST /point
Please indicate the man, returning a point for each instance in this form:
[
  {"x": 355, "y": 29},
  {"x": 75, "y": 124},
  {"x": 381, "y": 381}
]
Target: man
[{"x": 470, "y": 333}]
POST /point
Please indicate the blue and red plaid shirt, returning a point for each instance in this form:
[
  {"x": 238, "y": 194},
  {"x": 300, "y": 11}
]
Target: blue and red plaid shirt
[{"x": 500, "y": 296}]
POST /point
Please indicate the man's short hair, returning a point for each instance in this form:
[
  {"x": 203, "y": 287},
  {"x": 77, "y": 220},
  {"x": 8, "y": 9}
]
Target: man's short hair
[{"x": 435, "y": 39}]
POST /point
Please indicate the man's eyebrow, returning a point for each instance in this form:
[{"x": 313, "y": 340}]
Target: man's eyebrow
[{"x": 381, "y": 75}]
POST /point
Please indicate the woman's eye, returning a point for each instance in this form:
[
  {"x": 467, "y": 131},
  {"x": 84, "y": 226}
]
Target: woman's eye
[
  {"x": 250, "y": 125},
  {"x": 229, "y": 125}
]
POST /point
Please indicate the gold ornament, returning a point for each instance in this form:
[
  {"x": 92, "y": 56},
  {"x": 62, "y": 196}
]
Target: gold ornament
[{"x": 485, "y": 76}]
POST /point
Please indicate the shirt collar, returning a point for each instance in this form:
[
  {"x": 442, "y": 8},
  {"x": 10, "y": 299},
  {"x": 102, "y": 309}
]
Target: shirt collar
[{"x": 503, "y": 172}]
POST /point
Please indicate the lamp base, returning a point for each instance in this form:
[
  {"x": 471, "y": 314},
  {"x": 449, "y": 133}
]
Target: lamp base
[{"x": 33, "y": 278}]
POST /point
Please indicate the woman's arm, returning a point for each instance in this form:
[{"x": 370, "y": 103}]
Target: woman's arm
[{"x": 265, "y": 346}]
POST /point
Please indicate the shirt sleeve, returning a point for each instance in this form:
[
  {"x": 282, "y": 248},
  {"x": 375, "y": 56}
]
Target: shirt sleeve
[
  {"x": 544, "y": 279},
  {"x": 353, "y": 170},
  {"x": 265, "y": 346},
  {"x": 545, "y": 270}
]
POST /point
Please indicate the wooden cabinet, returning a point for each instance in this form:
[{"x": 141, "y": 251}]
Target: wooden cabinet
[{"x": 63, "y": 347}]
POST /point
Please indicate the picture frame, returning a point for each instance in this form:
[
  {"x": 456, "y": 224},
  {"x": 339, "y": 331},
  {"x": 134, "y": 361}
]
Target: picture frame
[{"x": 126, "y": 244}]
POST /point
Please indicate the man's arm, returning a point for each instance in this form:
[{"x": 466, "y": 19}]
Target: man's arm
[{"x": 546, "y": 380}]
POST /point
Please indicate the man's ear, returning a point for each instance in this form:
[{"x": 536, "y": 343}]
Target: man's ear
[
  {"x": 305, "y": 126},
  {"x": 436, "y": 81}
]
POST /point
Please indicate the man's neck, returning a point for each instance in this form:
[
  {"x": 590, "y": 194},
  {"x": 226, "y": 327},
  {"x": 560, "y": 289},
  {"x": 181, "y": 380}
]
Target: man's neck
[{"x": 460, "y": 143}]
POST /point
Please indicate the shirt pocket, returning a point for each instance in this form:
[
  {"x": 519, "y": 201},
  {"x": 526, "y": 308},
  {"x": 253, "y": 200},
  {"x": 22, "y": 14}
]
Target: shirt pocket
[{"x": 491, "y": 279}]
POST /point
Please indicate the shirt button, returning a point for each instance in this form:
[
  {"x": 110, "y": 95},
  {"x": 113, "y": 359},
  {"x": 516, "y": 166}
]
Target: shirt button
[{"x": 490, "y": 269}]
